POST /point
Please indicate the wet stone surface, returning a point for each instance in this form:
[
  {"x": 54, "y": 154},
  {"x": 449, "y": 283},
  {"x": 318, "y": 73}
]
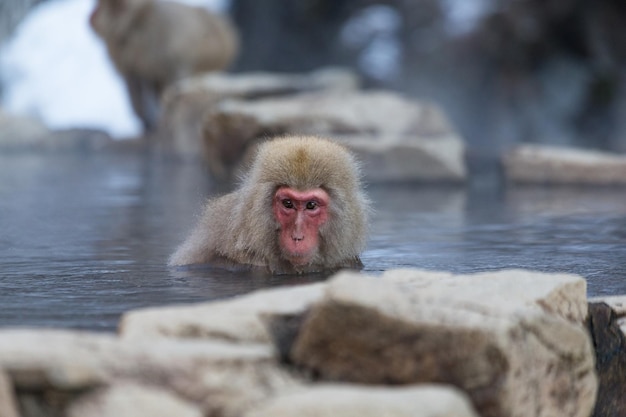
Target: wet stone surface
[{"x": 84, "y": 238}]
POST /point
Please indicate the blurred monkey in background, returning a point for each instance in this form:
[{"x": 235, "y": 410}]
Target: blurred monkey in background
[{"x": 153, "y": 43}]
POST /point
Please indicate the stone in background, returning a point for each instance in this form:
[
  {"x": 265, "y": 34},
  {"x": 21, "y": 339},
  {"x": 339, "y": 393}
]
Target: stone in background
[
  {"x": 186, "y": 102},
  {"x": 396, "y": 139}
]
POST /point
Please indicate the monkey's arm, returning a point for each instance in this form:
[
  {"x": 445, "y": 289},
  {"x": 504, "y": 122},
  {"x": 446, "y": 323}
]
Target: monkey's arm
[{"x": 206, "y": 243}]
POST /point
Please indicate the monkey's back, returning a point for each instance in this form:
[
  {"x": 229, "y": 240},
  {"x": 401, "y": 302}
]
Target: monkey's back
[
  {"x": 206, "y": 41},
  {"x": 170, "y": 41}
]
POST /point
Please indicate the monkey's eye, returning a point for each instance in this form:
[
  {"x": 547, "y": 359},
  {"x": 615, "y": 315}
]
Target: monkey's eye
[
  {"x": 287, "y": 203},
  {"x": 311, "y": 205}
]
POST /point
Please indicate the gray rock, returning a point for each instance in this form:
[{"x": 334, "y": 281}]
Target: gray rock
[
  {"x": 537, "y": 164},
  {"x": 186, "y": 102},
  {"x": 610, "y": 351},
  {"x": 397, "y": 139},
  {"x": 8, "y": 404},
  {"x": 221, "y": 379},
  {"x": 366, "y": 401},
  {"x": 513, "y": 341},
  {"x": 238, "y": 320},
  {"x": 81, "y": 140},
  {"x": 516, "y": 350},
  {"x": 504, "y": 291},
  {"x": 132, "y": 400},
  {"x": 22, "y": 133},
  {"x": 253, "y": 85},
  {"x": 618, "y": 304}
]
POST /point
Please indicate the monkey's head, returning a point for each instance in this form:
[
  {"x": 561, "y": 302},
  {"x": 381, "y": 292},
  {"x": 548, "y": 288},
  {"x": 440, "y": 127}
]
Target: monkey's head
[
  {"x": 312, "y": 207},
  {"x": 114, "y": 18},
  {"x": 300, "y": 215}
]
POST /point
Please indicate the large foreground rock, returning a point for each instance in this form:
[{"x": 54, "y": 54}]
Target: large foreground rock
[
  {"x": 363, "y": 401},
  {"x": 507, "y": 343},
  {"x": 8, "y": 403},
  {"x": 396, "y": 139},
  {"x": 238, "y": 320},
  {"x": 513, "y": 340},
  {"x": 186, "y": 102},
  {"x": 537, "y": 164},
  {"x": 132, "y": 400},
  {"x": 51, "y": 370}
]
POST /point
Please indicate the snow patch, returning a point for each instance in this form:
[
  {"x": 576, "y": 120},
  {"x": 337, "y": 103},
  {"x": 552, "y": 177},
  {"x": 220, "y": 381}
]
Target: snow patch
[{"x": 56, "y": 69}]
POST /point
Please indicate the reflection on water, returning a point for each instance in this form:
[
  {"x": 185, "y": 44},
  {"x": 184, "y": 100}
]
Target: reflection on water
[{"x": 84, "y": 238}]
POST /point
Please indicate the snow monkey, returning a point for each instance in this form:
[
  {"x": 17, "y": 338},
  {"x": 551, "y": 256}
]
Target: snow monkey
[
  {"x": 153, "y": 43},
  {"x": 300, "y": 208}
]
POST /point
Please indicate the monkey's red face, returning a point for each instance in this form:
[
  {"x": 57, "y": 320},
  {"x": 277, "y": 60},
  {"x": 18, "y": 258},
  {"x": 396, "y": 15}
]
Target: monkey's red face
[{"x": 300, "y": 215}]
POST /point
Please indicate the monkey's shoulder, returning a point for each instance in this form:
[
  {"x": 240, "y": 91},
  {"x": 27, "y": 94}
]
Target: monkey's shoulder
[{"x": 221, "y": 204}]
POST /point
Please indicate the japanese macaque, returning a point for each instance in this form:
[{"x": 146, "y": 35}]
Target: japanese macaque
[
  {"x": 300, "y": 208},
  {"x": 153, "y": 43}
]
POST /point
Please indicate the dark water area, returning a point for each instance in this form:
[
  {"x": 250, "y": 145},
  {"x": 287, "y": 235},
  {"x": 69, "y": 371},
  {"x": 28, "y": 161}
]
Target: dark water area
[{"x": 84, "y": 238}]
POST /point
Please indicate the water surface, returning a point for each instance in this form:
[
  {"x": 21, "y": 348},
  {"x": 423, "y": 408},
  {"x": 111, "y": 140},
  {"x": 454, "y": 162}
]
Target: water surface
[{"x": 84, "y": 238}]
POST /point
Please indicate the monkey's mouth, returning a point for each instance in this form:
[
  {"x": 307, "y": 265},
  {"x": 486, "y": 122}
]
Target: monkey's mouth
[
  {"x": 299, "y": 259},
  {"x": 299, "y": 249},
  {"x": 299, "y": 254}
]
